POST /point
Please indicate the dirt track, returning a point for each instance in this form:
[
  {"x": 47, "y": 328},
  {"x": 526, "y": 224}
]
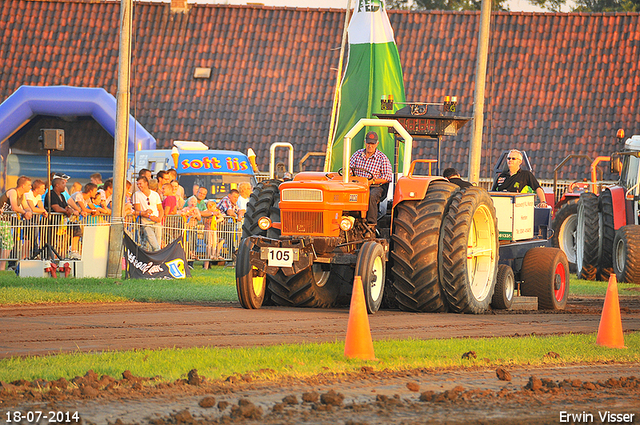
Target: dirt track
[
  {"x": 64, "y": 328},
  {"x": 372, "y": 396}
]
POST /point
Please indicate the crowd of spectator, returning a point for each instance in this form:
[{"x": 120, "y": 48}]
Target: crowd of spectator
[{"x": 149, "y": 202}]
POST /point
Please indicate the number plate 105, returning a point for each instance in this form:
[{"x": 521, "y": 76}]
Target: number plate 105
[{"x": 279, "y": 257}]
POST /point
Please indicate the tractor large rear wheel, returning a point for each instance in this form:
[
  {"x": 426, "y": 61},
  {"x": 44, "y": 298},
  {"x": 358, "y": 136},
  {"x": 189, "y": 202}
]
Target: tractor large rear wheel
[
  {"x": 468, "y": 260},
  {"x": 587, "y": 236},
  {"x": 626, "y": 254},
  {"x": 251, "y": 284},
  {"x": 564, "y": 228},
  {"x": 263, "y": 202},
  {"x": 607, "y": 235},
  {"x": 545, "y": 274},
  {"x": 414, "y": 254},
  {"x": 311, "y": 287}
]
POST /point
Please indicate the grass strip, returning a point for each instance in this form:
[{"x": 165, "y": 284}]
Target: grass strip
[
  {"x": 303, "y": 360},
  {"x": 216, "y": 284}
]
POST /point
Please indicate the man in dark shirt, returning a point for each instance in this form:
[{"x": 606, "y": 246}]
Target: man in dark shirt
[
  {"x": 453, "y": 176},
  {"x": 517, "y": 180},
  {"x": 58, "y": 204}
]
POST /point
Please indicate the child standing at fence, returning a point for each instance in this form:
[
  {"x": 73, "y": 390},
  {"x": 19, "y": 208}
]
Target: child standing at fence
[
  {"x": 169, "y": 202},
  {"x": 211, "y": 226}
]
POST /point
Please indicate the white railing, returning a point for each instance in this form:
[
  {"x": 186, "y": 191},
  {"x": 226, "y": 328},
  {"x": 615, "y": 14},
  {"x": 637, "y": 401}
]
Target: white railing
[
  {"x": 201, "y": 239},
  {"x": 24, "y": 239},
  {"x": 56, "y": 234}
]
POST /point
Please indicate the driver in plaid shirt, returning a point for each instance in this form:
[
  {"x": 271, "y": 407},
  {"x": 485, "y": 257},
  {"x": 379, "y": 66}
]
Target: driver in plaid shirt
[{"x": 372, "y": 161}]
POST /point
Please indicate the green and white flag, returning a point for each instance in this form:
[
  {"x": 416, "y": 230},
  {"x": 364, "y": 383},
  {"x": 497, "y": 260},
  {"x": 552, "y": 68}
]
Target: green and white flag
[{"x": 373, "y": 70}]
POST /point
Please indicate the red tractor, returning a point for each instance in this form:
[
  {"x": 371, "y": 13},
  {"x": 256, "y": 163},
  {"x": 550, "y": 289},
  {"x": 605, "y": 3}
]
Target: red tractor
[
  {"x": 608, "y": 225},
  {"x": 565, "y": 207}
]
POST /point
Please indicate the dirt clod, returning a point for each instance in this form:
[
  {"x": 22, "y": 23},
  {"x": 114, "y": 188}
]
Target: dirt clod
[
  {"x": 427, "y": 396},
  {"x": 470, "y": 355},
  {"x": 193, "y": 378},
  {"x": 246, "y": 409},
  {"x": 184, "y": 416},
  {"x": 503, "y": 375},
  {"x": 534, "y": 383},
  {"x": 89, "y": 392},
  {"x": 223, "y": 405},
  {"x": 207, "y": 402},
  {"x": 290, "y": 400},
  {"x": 310, "y": 397},
  {"x": 332, "y": 398},
  {"x": 128, "y": 375},
  {"x": 413, "y": 386}
]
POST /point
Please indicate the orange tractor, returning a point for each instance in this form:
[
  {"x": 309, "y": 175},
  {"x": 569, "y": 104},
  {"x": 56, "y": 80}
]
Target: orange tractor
[{"x": 436, "y": 249}]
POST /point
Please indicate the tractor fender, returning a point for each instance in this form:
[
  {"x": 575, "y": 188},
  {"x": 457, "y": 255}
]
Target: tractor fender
[
  {"x": 619, "y": 206},
  {"x": 413, "y": 188}
]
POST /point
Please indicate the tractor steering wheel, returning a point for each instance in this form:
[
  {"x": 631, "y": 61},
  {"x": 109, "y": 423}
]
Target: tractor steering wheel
[
  {"x": 580, "y": 184},
  {"x": 369, "y": 175}
]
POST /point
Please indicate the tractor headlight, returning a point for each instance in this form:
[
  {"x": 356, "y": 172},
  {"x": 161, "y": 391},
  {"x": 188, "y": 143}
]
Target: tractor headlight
[
  {"x": 264, "y": 223},
  {"x": 346, "y": 223}
]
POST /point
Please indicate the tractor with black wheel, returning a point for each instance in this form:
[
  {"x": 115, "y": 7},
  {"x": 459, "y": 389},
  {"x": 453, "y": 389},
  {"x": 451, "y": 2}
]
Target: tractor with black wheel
[
  {"x": 435, "y": 248},
  {"x": 608, "y": 224},
  {"x": 527, "y": 261},
  {"x": 565, "y": 206},
  {"x": 531, "y": 273}
]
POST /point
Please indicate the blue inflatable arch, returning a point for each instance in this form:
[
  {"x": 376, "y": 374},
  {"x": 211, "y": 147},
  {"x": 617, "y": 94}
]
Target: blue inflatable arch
[{"x": 59, "y": 101}]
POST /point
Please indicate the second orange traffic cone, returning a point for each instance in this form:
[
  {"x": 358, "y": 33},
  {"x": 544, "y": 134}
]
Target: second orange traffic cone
[
  {"x": 358, "y": 343},
  {"x": 610, "y": 329}
]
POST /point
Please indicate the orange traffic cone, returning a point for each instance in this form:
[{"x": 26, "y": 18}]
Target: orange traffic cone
[
  {"x": 358, "y": 343},
  {"x": 610, "y": 329}
]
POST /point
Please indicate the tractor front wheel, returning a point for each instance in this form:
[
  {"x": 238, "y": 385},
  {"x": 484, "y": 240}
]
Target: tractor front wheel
[
  {"x": 626, "y": 254},
  {"x": 587, "y": 236},
  {"x": 545, "y": 274},
  {"x": 468, "y": 260},
  {"x": 370, "y": 266},
  {"x": 505, "y": 286},
  {"x": 607, "y": 235},
  {"x": 251, "y": 284},
  {"x": 564, "y": 228}
]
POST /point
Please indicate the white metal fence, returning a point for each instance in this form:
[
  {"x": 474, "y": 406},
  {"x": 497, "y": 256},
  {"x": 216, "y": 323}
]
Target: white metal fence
[{"x": 25, "y": 239}]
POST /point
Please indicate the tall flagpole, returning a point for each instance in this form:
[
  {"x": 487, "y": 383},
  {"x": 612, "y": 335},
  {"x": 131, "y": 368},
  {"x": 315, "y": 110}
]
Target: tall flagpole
[
  {"x": 114, "y": 267},
  {"x": 475, "y": 151},
  {"x": 337, "y": 93}
]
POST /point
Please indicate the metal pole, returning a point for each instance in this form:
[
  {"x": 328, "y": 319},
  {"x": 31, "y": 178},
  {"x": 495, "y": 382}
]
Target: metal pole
[
  {"x": 114, "y": 268},
  {"x": 475, "y": 151},
  {"x": 337, "y": 93}
]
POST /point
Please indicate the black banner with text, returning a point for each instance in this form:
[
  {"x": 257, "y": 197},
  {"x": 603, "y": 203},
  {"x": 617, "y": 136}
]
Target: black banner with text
[{"x": 168, "y": 263}]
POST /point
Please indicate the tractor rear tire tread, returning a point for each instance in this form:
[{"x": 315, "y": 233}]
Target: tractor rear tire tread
[
  {"x": 453, "y": 260},
  {"x": 562, "y": 216},
  {"x": 588, "y": 204},
  {"x": 538, "y": 275},
  {"x": 605, "y": 251},
  {"x": 414, "y": 257},
  {"x": 627, "y": 246}
]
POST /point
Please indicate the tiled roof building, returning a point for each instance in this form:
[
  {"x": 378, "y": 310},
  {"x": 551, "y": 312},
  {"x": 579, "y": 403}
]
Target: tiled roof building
[{"x": 556, "y": 83}]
